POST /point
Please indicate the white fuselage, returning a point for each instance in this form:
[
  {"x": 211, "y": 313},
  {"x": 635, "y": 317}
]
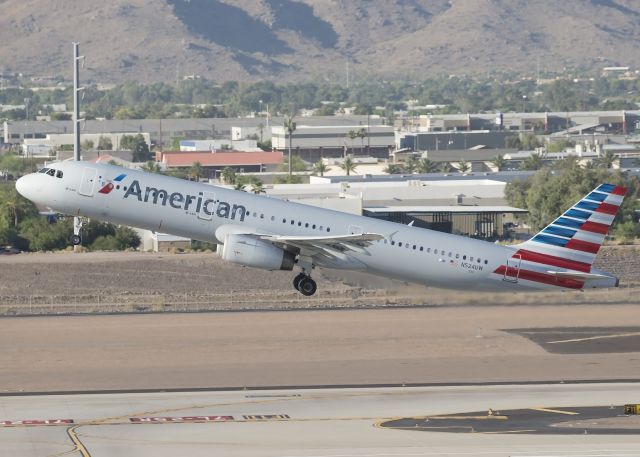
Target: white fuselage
[{"x": 207, "y": 213}]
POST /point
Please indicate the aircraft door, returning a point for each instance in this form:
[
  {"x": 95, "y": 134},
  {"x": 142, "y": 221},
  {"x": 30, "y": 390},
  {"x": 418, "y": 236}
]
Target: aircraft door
[
  {"x": 88, "y": 182},
  {"x": 512, "y": 272},
  {"x": 207, "y": 208}
]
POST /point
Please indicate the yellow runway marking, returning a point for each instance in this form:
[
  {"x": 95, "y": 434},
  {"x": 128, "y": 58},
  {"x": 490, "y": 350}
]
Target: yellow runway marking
[
  {"x": 557, "y": 411},
  {"x": 599, "y": 337},
  {"x": 466, "y": 417},
  {"x": 508, "y": 431},
  {"x": 76, "y": 441}
]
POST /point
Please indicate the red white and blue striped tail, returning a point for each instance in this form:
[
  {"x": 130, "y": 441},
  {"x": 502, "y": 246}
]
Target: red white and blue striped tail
[{"x": 573, "y": 240}]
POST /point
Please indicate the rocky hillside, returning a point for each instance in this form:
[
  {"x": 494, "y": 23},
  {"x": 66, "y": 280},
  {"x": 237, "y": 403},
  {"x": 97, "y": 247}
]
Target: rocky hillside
[{"x": 248, "y": 40}]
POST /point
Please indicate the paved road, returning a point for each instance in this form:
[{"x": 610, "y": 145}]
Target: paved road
[{"x": 304, "y": 423}]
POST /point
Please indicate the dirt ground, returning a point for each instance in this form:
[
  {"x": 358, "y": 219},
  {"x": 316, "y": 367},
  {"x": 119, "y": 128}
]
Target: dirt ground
[
  {"x": 330, "y": 347},
  {"x": 141, "y": 282}
]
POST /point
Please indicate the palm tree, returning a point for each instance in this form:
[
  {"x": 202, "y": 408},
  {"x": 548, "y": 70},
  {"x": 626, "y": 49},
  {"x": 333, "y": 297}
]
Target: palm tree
[
  {"x": 606, "y": 160},
  {"x": 228, "y": 175},
  {"x": 499, "y": 162},
  {"x": 533, "y": 162},
  {"x": 240, "y": 186},
  {"x": 151, "y": 166},
  {"x": 257, "y": 187},
  {"x": 393, "y": 169},
  {"x": 15, "y": 206},
  {"x": 426, "y": 165},
  {"x": 261, "y": 128},
  {"x": 320, "y": 167},
  {"x": 410, "y": 164},
  {"x": 290, "y": 127},
  {"x": 348, "y": 165},
  {"x": 446, "y": 167},
  {"x": 463, "y": 166},
  {"x": 196, "y": 170},
  {"x": 362, "y": 134},
  {"x": 352, "y": 135}
]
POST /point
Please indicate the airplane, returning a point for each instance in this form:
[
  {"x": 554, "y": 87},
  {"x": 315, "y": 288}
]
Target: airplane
[{"x": 264, "y": 232}]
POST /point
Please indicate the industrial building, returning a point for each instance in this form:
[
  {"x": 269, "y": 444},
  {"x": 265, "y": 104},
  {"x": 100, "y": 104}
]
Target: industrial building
[
  {"x": 313, "y": 142},
  {"x": 213, "y": 163}
]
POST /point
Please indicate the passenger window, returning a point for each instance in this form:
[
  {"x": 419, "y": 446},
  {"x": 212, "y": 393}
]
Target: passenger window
[
  {"x": 400, "y": 244},
  {"x": 328, "y": 229},
  {"x": 457, "y": 256},
  {"x": 59, "y": 174},
  {"x": 486, "y": 261},
  {"x": 385, "y": 241},
  {"x": 393, "y": 243},
  {"x": 450, "y": 254},
  {"x": 293, "y": 222},
  {"x": 320, "y": 228},
  {"x": 306, "y": 225},
  {"x": 479, "y": 261},
  {"x": 414, "y": 247},
  {"x": 421, "y": 248},
  {"x": 429, "y": 250},
  {"x": 299, "y": 224},
  {"x": 273, "y": 218},
  {"x": 464, "y": 257},
  {"x": 314, "y": 226},
  {"x": 284, "y": 221},
  {"x": 261, "y": 216},
  {"x": 470, "y": 259}
]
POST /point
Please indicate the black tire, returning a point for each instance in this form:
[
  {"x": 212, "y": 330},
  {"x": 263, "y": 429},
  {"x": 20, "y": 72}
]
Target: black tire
[
  {"x": 76, "y": 240},
  {"x": 307, "y": 286},
  {"x": 296, "y": 281}
]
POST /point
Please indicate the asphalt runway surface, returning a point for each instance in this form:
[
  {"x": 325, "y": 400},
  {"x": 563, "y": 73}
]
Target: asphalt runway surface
[{"x": 301, "y": 423}]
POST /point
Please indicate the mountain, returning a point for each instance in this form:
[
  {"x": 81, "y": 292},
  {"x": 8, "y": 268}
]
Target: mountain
[{"x": 249, "y": 40}]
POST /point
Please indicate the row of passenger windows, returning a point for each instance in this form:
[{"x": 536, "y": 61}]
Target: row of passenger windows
[
  {"x": 292, "y": 222},
  {"x": 51, "y": 172},
  {"x": 441, "y": 252}
]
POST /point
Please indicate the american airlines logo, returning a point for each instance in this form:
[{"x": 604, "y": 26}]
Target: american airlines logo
[
  {"x": 178, "y": 200},
  {"x": 108, "y": 187}
]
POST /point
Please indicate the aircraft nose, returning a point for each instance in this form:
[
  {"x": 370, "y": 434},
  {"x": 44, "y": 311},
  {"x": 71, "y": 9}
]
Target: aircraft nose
[{"x": 25, "y": 186}]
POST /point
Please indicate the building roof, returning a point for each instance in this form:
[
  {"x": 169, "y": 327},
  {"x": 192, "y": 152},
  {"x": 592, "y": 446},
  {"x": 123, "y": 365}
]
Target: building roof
[
  {"x": 465, "y": 209},
  {"x": 221, "y": 159}
]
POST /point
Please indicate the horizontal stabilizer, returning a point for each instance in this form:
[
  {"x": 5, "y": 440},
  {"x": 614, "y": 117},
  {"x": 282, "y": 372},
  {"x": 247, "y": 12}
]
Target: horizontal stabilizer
[{"x": 577, "y": 275}]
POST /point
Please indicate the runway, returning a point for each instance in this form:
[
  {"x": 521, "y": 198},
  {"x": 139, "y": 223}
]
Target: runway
[{"x": 302, "y": 423}]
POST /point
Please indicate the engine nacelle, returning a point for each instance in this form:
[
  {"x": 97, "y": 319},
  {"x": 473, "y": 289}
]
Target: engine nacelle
[{"x": 249, "y": 251}]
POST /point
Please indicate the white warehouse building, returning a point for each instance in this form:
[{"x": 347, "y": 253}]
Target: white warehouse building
[{"x": 314, "y": 142}]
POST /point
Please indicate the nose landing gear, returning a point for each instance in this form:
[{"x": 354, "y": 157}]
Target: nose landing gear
[{"x": 305, "y": 285}]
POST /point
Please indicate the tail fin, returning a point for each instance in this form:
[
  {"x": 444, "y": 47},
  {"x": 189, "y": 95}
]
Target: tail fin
[{"x": 573, "y": 240}]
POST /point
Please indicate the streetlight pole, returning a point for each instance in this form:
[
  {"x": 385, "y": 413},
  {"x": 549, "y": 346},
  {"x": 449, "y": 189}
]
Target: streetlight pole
[{"x": 524, "y": 101}]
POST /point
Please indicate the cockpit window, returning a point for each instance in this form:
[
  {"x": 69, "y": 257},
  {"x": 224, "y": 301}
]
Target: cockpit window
[
  {"x": 59, "y": 174},
  {"x": 51, "y": 172},
  {"x": 43, "y": 170}
]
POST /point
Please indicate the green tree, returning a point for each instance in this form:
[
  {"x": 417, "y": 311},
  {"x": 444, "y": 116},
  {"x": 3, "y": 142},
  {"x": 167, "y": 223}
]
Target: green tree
[
  {"x": 151, "y": 166},
  {"x": 126, "y": 238},
  {"x": 393, "y": 169},
  {"x": 297, "y": 164},
  {"x": 196, "y": 171},
  {"x": 499, "y": 162},
  {"x": 426, "y": 165},
  {"x": 288, "y": 179},
  {"x": 289, "y": 127},
  {"x": 352, "y": 135},
  {"x": 348, "y": 165},
  {"x": 533, "y": 162},
  {"x": 137, "y": 145},
  {"x": 446, "y": 167},
  {"x": 463, "y": 166},
  {"x": 410, "y": 164},
  {"x": 43, "y": 236},
  {"x": 530, "y": 142},
  {"x": 228, "y": 175},
  {"x": 606, "y": 160},
  {"x": 362, "y": 134},
  {"x": 104, "y": 143},
  {"x": 320, "y": 167},
  {"x": 14, "y": 207}
]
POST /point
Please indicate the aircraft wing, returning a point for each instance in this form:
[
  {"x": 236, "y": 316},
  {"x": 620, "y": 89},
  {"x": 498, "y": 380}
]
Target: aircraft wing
[{"x": 333, "y": 248}]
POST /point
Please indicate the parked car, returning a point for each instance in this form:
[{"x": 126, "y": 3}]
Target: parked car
[{"x": 9, "y": 250}]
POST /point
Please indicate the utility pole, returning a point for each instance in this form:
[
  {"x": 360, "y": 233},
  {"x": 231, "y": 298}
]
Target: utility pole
[{"x": 77, "y": 222}]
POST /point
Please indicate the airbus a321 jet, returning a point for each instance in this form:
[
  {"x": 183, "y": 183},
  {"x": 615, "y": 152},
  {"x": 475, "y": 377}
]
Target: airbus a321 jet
[{"x": 272, "y": 234}]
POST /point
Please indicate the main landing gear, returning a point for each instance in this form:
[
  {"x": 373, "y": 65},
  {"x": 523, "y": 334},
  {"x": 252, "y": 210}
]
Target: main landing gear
[{"x": 304, "y": 284}]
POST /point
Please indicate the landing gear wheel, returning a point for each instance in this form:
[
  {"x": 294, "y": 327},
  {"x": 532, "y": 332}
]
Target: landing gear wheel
[
  {"x": 76, "y": 240},
  {"x": 307, "y": 286},
  {"x": 297, "y": 279}
]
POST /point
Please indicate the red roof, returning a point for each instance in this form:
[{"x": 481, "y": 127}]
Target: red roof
[{"x": 221, "y": 159}]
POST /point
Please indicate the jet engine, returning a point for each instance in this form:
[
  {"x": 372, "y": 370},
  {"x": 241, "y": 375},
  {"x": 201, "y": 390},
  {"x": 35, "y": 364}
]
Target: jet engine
[{"x": 252, "y": 252}]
